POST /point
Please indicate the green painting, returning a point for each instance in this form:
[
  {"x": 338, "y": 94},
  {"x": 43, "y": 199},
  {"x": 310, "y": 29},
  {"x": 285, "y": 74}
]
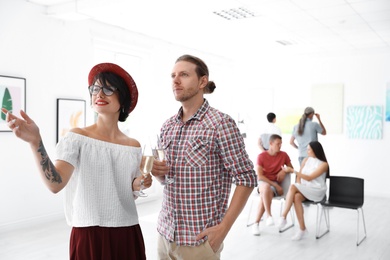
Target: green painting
[{"x": 12, "y": 97}]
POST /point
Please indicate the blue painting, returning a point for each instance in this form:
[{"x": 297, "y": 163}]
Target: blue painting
[
  {"x": 364, "y": 122},
  {"x": 388, "y": 102}
]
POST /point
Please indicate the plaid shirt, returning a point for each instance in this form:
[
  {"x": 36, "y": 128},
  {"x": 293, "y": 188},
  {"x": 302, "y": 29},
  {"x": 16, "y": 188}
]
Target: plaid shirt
[{"x": 205, "y": 154}]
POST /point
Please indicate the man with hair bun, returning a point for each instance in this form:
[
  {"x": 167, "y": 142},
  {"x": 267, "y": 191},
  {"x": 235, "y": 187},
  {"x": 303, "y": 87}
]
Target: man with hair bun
[{"x": 204, "y": 153}]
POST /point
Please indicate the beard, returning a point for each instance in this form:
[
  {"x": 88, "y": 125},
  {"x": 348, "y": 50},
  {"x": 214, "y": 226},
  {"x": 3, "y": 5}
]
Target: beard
[{"x": 186, "y": 95}]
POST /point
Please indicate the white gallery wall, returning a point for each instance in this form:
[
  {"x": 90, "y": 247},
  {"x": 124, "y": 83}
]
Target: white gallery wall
[{"x": 55, "y": 57}]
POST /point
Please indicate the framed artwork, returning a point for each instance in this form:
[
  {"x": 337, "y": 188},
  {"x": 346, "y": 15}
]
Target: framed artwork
[
  {"x": 364, "y": 122},
  {"x": 387, "y": 116},
  {"x": 12, "y": 97},
  {"x": 328, "y": 101},
  {"x": 70, "y": 114}
]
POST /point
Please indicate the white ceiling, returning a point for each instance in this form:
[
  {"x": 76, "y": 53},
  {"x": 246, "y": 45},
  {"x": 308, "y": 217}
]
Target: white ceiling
[{"x": 306, "y": 26}]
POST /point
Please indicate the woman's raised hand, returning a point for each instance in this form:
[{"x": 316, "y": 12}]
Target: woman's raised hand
[{"x": 24, "y": 127}]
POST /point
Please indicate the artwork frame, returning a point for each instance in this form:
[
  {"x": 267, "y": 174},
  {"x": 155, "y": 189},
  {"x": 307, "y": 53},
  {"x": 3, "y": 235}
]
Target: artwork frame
[
  {"x": 70, "y": 114},
  {"x": 12, "y": 97}
]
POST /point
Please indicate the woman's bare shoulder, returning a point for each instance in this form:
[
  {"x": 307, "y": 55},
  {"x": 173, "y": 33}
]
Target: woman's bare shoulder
[
  {"x": 132, "y": 142},
  {"x": 121, "y": 139},
  {"x": 81, "y": 131}
]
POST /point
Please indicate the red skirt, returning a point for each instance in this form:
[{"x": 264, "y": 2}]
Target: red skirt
[{"x": 107, "y": 243}]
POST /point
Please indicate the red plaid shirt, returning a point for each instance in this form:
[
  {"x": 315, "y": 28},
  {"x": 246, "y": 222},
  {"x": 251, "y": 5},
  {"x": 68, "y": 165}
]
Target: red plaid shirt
[{"x": 205, "y": 154}]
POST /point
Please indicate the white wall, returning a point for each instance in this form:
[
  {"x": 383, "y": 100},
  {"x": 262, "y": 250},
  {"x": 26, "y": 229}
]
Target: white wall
[{"x": 55, "y": 58}]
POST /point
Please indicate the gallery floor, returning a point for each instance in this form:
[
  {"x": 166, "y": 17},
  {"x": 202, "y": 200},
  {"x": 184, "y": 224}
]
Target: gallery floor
[{"x": 49, "y": 240}]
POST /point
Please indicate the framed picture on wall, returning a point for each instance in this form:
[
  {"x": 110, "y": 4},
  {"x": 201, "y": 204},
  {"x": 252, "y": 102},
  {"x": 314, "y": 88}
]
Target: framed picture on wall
[
  {"x": 70, "y": 114},
  {"x": 12, "y": 97}
]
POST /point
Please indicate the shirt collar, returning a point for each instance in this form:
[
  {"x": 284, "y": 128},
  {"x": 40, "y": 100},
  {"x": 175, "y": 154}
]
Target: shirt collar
[{"x": 198, "y": 115}]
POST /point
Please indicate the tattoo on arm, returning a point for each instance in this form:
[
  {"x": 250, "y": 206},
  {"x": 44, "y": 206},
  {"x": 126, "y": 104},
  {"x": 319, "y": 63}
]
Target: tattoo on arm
[{"x": 47, "y": 166}]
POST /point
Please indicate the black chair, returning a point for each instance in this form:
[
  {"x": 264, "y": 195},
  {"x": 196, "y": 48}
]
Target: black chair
[{"x": 348, "y": 193}]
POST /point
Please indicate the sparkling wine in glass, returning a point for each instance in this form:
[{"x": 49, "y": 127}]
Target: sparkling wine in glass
[
  {"x": 159, "y": 154},
  {"x": 146, "y": 168}
]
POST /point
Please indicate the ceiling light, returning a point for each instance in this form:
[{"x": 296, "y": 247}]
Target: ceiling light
[{"x": 235, "y": 13}]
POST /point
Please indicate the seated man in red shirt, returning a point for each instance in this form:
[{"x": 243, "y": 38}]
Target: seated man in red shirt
[{"x": 270, "y": 174}]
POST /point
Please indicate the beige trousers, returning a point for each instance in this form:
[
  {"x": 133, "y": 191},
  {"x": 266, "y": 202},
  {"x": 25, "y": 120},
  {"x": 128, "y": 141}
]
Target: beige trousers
[{"x": 171, "y": 251}]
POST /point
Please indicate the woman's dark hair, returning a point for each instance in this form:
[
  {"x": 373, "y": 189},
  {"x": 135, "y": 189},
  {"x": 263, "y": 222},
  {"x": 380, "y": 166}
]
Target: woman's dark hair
[
  {"x": 114, "y": 80},
  {"x": 201, "y": 70},
  {"x": 318, "y": 151}
]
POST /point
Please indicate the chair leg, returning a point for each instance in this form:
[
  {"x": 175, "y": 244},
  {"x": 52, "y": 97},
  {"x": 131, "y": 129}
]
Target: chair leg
[
  {"x": 358, "y": 242},
  {"x": 322, "y": 211},
  {"x": 291, "y": 216}
]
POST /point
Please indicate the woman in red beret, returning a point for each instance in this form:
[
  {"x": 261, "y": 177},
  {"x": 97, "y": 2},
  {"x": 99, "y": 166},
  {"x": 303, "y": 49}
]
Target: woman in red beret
[{"x": 99, "y": 167}]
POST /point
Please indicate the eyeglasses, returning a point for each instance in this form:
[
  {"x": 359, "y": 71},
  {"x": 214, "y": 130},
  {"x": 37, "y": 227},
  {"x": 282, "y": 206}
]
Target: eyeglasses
[{"x": 95, "y": 89}]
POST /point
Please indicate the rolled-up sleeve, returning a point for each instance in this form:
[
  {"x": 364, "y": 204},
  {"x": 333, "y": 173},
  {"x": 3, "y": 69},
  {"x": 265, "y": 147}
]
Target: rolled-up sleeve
[{"x": 235, "y": 157}]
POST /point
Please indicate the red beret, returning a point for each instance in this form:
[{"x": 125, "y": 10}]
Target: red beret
[{"x": 110, "y": 67}]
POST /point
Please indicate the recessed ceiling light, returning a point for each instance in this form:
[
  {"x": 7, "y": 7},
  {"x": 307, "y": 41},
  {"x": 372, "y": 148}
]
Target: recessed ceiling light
[{"x": 235, "y": 13}]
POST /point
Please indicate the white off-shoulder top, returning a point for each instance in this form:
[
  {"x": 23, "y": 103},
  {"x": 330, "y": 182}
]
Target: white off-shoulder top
[{"x": 99, "y": 192}]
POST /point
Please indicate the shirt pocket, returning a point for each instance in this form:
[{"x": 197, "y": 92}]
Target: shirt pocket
[{"x": 197, "y": 151}]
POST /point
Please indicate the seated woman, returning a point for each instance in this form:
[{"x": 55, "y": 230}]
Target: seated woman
[{"x": 310, "y": 185}]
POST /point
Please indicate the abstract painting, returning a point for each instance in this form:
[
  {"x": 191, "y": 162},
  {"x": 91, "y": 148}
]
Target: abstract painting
[
  {"x": 12, "y": 98},
  {"x": 70, "y": 114},
  {"x": 328, "y": 101},
  {"x": 287, "y": 118},
  {"x": 388, "y": 103},
  {"x": 364, "y": 122}
]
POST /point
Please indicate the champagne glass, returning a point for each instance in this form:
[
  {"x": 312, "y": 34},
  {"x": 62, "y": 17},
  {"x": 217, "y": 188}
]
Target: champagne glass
[
  {"x": 146, "y": 168},
  {"x": 159, "y": 154}
]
